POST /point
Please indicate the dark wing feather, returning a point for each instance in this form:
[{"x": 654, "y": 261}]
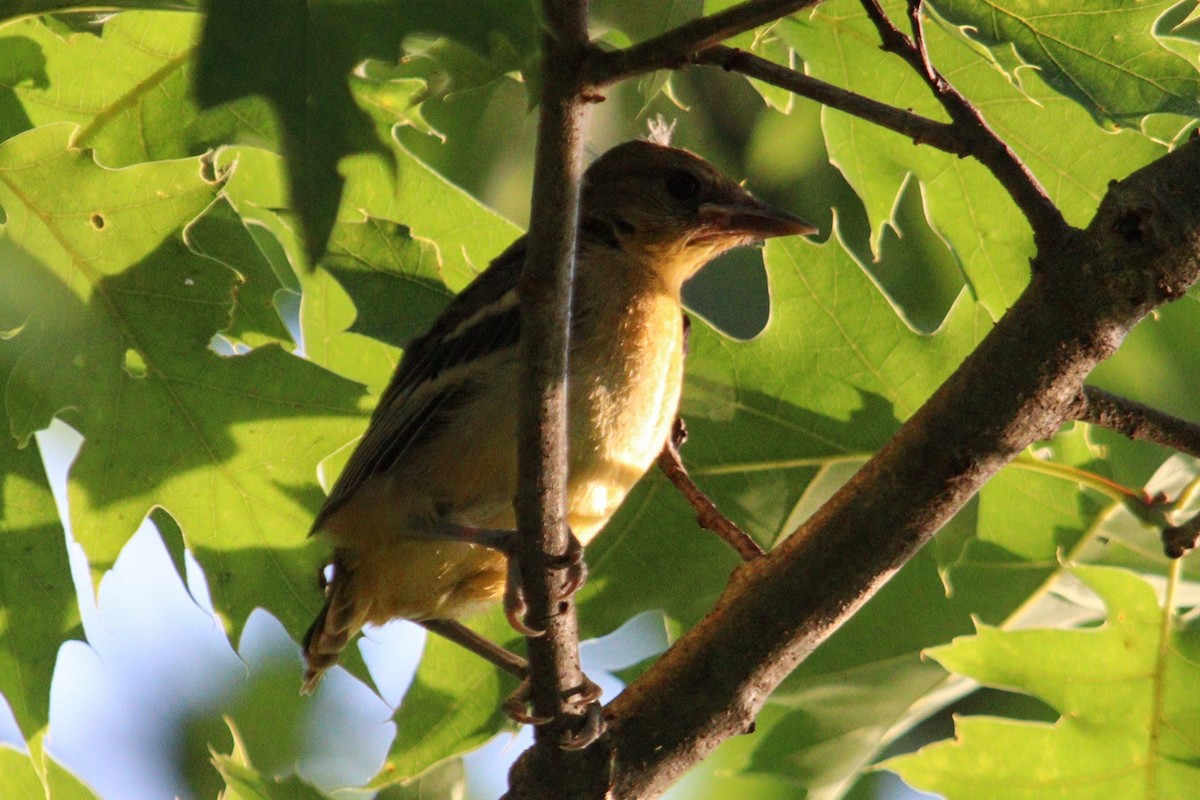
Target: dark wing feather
[{"x": 402, "y": 419}]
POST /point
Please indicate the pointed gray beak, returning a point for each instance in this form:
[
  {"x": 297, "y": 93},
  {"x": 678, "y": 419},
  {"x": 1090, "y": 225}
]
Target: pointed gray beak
[{"x": 754, "y": 218}]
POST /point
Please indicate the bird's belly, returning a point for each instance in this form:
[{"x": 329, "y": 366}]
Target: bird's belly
[{"x": 620, "y": 419}]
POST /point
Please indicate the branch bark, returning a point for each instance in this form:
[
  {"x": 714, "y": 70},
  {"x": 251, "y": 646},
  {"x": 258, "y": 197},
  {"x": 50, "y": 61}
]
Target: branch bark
[
  {"x": 708, "y": 516},
  {"x": 1138, "y": 421},
  {"x": 1142, "y": 249},
  {"x": 556, "y": 680},
  {"x": 673, "y": 48},
  {"x": 922, "y": 130}
]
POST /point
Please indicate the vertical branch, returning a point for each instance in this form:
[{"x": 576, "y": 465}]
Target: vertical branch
[{"x": 556, "y": 680}]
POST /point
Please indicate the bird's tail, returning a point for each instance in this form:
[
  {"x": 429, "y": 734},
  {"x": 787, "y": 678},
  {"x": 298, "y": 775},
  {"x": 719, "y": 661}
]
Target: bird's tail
[{"x": 333, "y": 628}]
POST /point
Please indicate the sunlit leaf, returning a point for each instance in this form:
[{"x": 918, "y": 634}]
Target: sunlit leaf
[
  {"x": 1126, "y": 692},
  {"x": 1105, "y": 55}
]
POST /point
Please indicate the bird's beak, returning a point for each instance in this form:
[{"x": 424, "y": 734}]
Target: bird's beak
[{"x": 753, "y": 218}]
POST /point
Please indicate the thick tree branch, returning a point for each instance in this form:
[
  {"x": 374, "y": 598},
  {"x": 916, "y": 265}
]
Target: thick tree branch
[
  {"x": 1137, "y": 421},
  {"x": 556, "y": 680},
  {"x": 1142, "y": 249},
  {"x": 1048, "y": 224},
  {"x": 673, "y": 48}
]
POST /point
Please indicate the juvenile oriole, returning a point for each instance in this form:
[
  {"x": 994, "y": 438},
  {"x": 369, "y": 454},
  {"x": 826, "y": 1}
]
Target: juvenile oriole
[{"x": 437, "y": 467}]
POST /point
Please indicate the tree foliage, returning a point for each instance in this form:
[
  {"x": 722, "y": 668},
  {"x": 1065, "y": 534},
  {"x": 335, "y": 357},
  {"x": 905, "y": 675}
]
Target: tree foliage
[{"x": 219, "y": 228}]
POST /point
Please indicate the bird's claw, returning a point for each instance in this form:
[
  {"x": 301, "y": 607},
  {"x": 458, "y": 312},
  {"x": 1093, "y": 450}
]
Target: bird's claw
[
  {"x": 514, "y": 600},
  {"x": 575, "y": 566},
  {"x": 514, "y": 596},
  {"x": 516, "y": 707},
  {"x": 593, "y": 728}
]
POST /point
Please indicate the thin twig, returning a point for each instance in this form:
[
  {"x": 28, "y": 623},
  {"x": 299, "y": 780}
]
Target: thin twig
[
  {"x": 1137, "y": 421},
  {"x": 983, "y": 143},
  {"x": 673, "y": 48},
  {"x": 707, "y": 514},
  {"x": 921, "y": 130}
]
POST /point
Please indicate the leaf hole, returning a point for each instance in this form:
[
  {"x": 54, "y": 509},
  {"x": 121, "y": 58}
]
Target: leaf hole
[
  {"x": 135, "y": 365},
  {"x": 98, "y": 221}
]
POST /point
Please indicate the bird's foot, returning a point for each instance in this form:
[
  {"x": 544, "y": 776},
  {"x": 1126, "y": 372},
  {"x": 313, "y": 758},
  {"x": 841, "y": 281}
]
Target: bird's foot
[
  {"x": 516, "y": 707},
  {"x": 505, "y": 541},
  {"x": 515, "y": 606},
  {"x": 593, "y": 726}
]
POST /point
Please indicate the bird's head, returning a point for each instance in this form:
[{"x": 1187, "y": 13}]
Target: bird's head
[{"x": 671, "y": 210}]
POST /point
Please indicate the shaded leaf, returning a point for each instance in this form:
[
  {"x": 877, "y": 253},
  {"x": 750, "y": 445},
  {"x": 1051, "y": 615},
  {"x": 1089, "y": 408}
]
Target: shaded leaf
[
  {"x": 38, "y": 610},
  {"x": 138, "y": 107},
  {"x": 963, "y": 202},
  {"x": 23, "y": 778},
  {"x": 453, "y": 705},
  {"x": 119, "y": 335},
  {"x": 299, "y": 56}
]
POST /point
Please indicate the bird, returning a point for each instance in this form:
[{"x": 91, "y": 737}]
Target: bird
[{"x": 419, "y": 514}]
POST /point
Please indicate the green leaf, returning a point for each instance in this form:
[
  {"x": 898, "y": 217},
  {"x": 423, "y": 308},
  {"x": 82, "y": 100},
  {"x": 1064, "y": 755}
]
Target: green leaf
[
  {"x": 1126, "y": 692},
  {"x": 138, "y": 106},
  {"x": 221, "y": 235},
  {"x": 446, "y": 780},
  {"x": 369, "y": 259},
  {"x": 244, "y": 782},
  {"x": 32, "y": 8},
  {"x": 120, "y": 315},
  {"x": 963, "y": 202},
  {"x": 764, "y": 42},
  {"x": 1107, "y": 55},
  {"x": 274, "y": 51},
  {"x": 38, "y": 610},
  {"x": 1030, "y": 516},
  {"x": 453, "y": 705},
  {"x": 40, "y": 777}
]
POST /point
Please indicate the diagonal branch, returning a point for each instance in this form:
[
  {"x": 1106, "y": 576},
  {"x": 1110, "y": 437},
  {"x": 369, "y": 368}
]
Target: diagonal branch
[
  {"x": 708, "y": 516},
  {"x": 1049, "y": 226},
  {"x": 673, "y": 48},
  {"x": 921, "y": 130},
  {"x": 1141, "y": 250},
  {"x": 1138, "y": 421}
]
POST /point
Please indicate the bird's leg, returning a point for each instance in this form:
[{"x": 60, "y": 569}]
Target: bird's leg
[
  {"x": 504, "y": 541},
  {"x": 515, "y": 704},
  {"x": 486, "y": 649}
]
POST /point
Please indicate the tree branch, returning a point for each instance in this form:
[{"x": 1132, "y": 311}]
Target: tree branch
[
  {"x": 1142, "y": 249},
  {"x": 1137, "y": 421},
  {"x": 556, "y": 680},
  {"x": 1049, "y": 226},
  {"x": 673, "y": 48},
  {"x": 708, "y": 515},
  {"x": 922, "y": 130}
]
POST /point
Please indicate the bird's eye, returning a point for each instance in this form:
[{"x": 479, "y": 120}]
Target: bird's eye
[{"x": 682, "y": 185}]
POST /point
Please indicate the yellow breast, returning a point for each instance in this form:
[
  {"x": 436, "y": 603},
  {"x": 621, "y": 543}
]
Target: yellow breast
[{"x": 624, "y": 395}]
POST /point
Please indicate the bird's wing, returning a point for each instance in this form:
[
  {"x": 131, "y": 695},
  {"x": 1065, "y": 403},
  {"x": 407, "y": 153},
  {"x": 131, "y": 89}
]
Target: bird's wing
[{"x": 483, "y": 319}]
